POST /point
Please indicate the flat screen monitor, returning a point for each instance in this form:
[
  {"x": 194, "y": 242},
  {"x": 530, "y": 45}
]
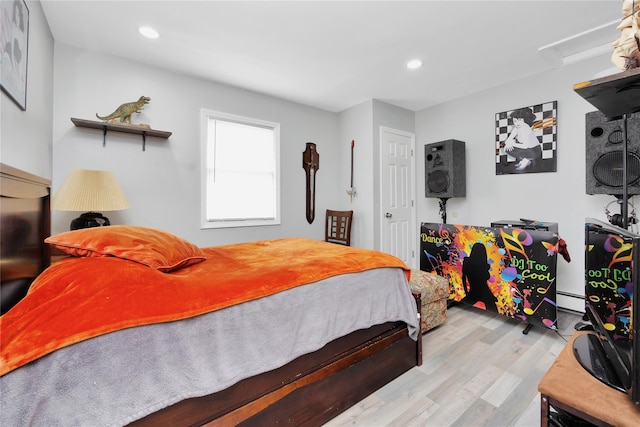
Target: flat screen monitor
[{"x": 611, "y": 353}]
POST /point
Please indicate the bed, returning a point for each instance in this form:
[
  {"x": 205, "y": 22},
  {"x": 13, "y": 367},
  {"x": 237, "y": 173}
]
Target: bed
[{"x": 120, "y": 340}]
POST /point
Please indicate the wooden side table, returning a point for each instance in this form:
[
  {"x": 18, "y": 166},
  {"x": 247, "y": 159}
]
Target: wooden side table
[{"x": 569, "y": 387}]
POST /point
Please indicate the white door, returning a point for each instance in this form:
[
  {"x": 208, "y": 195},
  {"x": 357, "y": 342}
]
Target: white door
[{"x": 397, "y": 194}]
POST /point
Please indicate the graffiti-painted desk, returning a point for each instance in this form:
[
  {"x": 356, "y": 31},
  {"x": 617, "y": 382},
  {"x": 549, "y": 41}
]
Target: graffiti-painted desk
[{"x": 509, "y": 270}]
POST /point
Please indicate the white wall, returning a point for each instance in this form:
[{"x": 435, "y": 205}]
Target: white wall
[
  {"x": 361, "y": 123},
  {"x": 25, "y": 136},
  {"x": 356, "y": 124},
  {"x": 163, "y": 182},
  {"x": 553, "y": 197}
]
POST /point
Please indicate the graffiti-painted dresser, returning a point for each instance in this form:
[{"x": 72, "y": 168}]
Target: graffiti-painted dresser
[{"x": 509, "y": 270}]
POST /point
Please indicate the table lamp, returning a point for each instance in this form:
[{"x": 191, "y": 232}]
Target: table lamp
[{"x": 90, "y": 191}]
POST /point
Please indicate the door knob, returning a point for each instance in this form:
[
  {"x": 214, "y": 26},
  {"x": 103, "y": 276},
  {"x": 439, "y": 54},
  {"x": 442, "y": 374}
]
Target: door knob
[{"x": 388, "y": 215}]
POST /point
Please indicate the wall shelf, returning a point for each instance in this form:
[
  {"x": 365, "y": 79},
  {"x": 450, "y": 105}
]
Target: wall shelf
[
  {"x": 105, "y": 127},
  {"x": 616, "y": 96},
  {"x": 613, "y": 95}
]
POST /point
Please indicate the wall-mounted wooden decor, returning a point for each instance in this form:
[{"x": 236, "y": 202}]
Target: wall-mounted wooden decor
[{"x": 311, "y": 164}]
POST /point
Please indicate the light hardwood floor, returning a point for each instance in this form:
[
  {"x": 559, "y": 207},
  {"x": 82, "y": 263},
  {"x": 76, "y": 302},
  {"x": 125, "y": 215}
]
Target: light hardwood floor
[{"x": 478, "y": 369}]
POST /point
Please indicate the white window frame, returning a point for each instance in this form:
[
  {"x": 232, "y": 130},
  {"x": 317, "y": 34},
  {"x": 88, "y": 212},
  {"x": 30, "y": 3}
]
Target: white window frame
[{"x": 206, "y": 116}]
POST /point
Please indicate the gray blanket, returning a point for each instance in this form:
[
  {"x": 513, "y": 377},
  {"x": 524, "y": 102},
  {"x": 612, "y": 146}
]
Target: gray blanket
[{"x": 120, "y": 377}]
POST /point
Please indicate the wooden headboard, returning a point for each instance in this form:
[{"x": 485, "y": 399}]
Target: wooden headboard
[{"x": 25, "y": 221}]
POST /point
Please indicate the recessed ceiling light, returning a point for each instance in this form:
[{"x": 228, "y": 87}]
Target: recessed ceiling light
[
  {"x": 148, "y": 32},
  {"x": 414, "y": 63}
]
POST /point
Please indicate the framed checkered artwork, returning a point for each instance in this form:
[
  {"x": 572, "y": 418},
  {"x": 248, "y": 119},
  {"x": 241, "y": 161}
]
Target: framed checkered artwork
[{"x": 526, "y": 139}]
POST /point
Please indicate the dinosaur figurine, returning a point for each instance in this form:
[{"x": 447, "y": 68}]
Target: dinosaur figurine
[
  {"x": 626, "y": 53},
  {"x": 125, "y": 111}
]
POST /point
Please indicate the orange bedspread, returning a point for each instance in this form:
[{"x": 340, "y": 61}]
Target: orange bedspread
[{"x": 79, "y": 298}]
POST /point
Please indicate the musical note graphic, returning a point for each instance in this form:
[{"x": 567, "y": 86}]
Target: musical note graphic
[
  {"x": 610, "y": 324},
  {"x": 529, "y": 311},
  {"x": 433, "y": 261},
  {"x": 512, "y": 242},
  {"x": 621, "y": 254}
]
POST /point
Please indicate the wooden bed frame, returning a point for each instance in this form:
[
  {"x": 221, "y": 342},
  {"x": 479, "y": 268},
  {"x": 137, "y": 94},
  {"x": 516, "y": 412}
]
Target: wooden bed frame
[{"x": 310, "y": 390}]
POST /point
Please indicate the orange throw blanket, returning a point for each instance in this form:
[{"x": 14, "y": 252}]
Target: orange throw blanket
[{"x": 79, "y": 298}]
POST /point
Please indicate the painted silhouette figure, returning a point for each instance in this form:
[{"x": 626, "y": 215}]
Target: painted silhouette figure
[{"x": 475, "y": 274}]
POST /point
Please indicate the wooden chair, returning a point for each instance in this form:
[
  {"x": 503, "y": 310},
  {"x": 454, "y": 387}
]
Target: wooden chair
[{"x": 337, "y": 227}]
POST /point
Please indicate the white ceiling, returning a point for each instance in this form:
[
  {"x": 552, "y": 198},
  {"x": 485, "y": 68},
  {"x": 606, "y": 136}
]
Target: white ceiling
[{"x": 337, "y": 54}]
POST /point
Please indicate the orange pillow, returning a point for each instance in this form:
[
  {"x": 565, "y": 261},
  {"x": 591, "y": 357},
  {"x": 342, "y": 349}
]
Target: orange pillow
[{"x": 155, "y": 248}]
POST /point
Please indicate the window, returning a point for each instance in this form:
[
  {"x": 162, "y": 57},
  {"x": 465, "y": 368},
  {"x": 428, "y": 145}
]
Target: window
[{"x": 241, "y": 175}]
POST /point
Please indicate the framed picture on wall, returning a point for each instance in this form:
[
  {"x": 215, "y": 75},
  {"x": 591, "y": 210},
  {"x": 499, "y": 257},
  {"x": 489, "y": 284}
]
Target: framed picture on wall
[
  {"x": 526, "y": 139},
  {"x": 14, "y": 47}
]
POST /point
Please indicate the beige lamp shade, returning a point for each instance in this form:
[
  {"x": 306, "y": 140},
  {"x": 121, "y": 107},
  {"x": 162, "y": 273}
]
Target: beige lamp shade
[{"x": 89, "y": 190}]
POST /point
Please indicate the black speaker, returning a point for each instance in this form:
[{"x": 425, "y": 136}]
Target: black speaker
[
  {"x": 444, "y": 169},
  {"x": 604, "y": 149}
]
